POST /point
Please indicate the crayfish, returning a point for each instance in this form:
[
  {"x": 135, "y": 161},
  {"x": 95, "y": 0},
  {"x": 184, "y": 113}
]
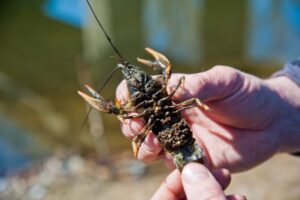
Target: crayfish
[{"x": 150, "y": 100}]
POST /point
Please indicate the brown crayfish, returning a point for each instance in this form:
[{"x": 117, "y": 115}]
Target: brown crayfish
[{"x": 150, "y": 100}]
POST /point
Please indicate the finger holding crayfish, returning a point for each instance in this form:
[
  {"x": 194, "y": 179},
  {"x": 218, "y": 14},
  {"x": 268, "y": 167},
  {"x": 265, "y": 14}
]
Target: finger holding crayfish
[{"x": 151, "y": 148}]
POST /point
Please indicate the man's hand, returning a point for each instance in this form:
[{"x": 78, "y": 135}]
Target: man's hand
[{"x": 250, "y": 120}]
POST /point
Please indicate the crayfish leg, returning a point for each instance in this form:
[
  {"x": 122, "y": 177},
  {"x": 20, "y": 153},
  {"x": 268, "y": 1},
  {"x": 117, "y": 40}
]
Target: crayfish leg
[
  {"x": 139, "y": 139},
  {"x": 137, "y": 115},
  {"x": 180, "y": 83},
  {"x": 190, "y": 103}
]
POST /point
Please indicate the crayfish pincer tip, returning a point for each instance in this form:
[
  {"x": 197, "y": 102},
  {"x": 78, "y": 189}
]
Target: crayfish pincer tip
[
  {"x": 86, "y": 97},
  {"x": 87, "y": 86},
  {"x": 153, "y": 52},
  {"x": 92, "y": 91},
  {"x": 150, "y": 50},
  {"x": 81, "y": 94}
]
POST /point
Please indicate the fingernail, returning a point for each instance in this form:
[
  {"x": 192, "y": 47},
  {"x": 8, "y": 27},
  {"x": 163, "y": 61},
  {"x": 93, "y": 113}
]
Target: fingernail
[{"x": 194, "y": 173}]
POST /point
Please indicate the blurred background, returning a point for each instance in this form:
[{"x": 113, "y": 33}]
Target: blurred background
[{"x": 49, "y": 48}]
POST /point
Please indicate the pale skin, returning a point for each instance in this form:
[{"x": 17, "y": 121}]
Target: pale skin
[
  {"x": 194, "y": 183},
  {"x": 251, "y": 119}
]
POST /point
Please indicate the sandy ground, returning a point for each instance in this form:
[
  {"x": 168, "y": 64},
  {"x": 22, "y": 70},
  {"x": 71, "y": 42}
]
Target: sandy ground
[
  {"x": 76, "y": 178},
  {"x": 279, "y": 178}
]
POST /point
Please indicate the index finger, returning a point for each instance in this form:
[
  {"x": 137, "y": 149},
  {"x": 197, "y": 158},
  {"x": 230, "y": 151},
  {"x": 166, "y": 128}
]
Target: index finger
[
  {"x": 131, "y": 127},
  {"x": 171, "y": 188}
]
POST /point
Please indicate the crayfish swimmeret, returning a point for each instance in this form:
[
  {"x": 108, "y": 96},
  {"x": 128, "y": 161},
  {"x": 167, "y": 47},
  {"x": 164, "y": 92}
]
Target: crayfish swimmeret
[{"x": 150, "y": 100}]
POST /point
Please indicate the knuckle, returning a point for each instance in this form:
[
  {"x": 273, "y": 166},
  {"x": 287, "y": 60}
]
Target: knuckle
[
  {"x": 226, "y": 74},
  {"x": 222, "y": 69}
]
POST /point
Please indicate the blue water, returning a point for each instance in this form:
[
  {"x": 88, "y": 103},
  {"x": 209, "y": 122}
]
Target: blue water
[
  {"x": 274, "y": 30},
  {"x": 72, "y": 12},
  {"x": 17, "y": 147}
]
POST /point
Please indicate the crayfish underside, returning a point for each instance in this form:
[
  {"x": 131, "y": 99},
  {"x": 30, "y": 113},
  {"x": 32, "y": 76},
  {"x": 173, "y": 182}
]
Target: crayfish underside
[{"x": 150, "y": 100}]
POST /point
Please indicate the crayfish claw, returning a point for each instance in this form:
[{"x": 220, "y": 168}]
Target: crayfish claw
[
  {"x": 93, "y": 92},
  {"x": 160, "y": 62},
  {"x": 158, "y": 56},
  {"x": 96, "y": 100},
  {"x": 149, "y": 63},
  {"x": 91, "y": 100}
]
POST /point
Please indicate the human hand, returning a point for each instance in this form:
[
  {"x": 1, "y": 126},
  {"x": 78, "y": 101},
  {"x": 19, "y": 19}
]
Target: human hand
[
  {"x": 195, "y": 182},
  {"x": 245, "y": 125}
]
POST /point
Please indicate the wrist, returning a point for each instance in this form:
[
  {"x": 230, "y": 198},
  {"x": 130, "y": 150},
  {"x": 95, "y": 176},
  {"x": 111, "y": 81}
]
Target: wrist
[{"x": 288, "y": 123}]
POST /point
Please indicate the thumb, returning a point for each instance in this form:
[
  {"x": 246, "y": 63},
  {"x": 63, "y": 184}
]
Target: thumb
[
  {"x": 217, "y": 83},
  {"x": 199, "y": 183}
]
